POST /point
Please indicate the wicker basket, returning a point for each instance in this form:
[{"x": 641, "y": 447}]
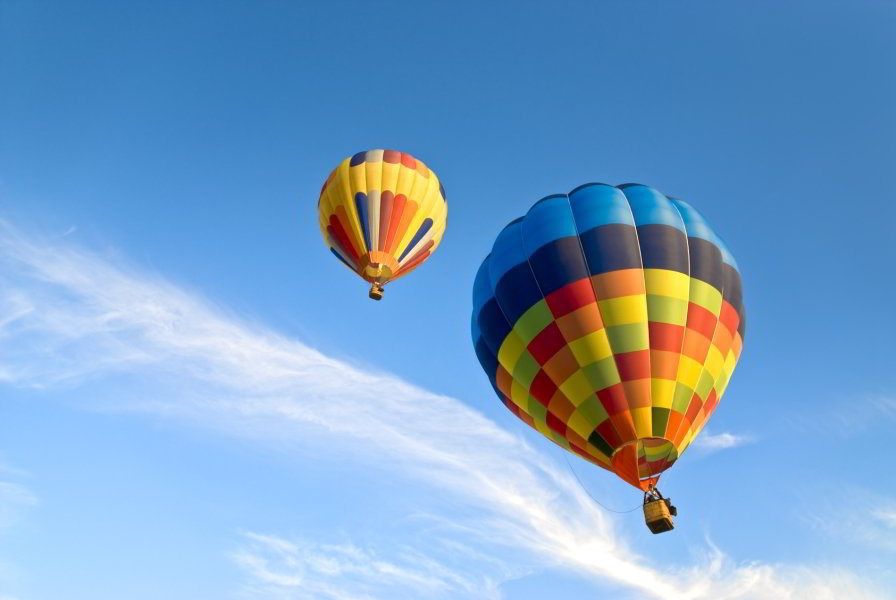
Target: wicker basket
[{"x": 656, "y": 514}]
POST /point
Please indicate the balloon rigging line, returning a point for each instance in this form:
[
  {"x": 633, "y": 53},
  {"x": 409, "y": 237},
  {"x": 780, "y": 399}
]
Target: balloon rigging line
[{"x": 596, "y": 501}]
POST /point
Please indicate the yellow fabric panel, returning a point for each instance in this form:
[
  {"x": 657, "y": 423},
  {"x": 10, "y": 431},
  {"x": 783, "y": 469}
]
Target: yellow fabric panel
[
  {"x": 375, "y": 173},
  {"x": 662, "y": 392},
  {"x": 667, "y": 283},
  {"x": 728, "y": 369},
  {"x": 577, "y": 388},
  {"x": 345, "y": 198},
  {"x": 714, "y": 362},
  {"x": 421, "y": 195},
  {"x": 390, "y": 176},
  {"x": 520, "y": 403},
  {"x": 437, "y": 211},
  {"x": 358, "y": 179},
  {"x": 406, "y": 180},
  {"x": 643, "y": 420},
  {"x": 510, "y": 351},
  {"x": 323, "y": 217},
  {"x": 689, "y": 371},
  {"x": 433, "y": 207},
  {"x": 519, "y": 394},
  {"x": 591, "y": 348},
  {"x": 623, "y": 310}
]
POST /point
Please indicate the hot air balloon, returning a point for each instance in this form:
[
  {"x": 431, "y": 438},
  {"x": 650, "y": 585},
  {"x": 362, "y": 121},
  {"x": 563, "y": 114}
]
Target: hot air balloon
[
  {"x": 610, "y": 320},
  {"x": 382, "y": 213}
]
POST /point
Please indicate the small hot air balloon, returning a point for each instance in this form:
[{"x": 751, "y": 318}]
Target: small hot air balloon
[
  {"x": 382, "y": 213},
  {"x": 610, "y": 319}
]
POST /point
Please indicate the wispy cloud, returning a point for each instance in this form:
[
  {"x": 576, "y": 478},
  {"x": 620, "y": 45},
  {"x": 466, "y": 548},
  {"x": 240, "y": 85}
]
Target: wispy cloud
[
  {"x": 73, "y": 317},
  {"x": 865, "y": 413},
  {"x": 302, "y": 569},
  {"x": 712, "y": 442},
  {"x": 859, "y": 516},
  {"x": 13, "y": 498}
]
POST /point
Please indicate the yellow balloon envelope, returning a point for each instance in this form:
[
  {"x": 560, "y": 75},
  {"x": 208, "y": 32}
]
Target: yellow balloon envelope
[{"x": 382, "y": 213}]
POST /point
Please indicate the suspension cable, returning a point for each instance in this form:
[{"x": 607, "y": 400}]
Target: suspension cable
[{"x": 596, "y": 501}]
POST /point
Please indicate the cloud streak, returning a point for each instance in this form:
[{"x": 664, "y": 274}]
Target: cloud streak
[
  {"x": 69, "y": 317},
  {"x": 306, "y": 570}
]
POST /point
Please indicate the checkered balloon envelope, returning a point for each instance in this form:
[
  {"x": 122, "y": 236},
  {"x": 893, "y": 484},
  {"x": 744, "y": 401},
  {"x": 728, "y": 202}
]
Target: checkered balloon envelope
[{"x": 610, "y": 320}]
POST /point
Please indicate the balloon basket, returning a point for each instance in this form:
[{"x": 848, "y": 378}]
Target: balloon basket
[
  {"x": 376, "y": 292},
  {"x": 657, "y": 516}
]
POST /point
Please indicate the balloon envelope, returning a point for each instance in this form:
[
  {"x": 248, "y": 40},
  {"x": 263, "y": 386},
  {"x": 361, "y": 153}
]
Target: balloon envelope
[
  {"x": 382, "y": 213},
  {"x": 610, "y": 319}
]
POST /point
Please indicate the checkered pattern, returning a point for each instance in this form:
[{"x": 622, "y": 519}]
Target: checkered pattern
[{"x": 610, "y": 320}]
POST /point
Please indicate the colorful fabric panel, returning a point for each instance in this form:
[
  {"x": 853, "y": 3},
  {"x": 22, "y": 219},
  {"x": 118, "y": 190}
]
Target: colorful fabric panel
[{"x": 610, "y": 320}]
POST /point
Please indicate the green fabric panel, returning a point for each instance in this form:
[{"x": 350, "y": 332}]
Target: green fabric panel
[
  {"x": 537, "y": 410},
  {"x": 628, "y": 338},
  {"x": 660, "y": 419},
  {"x": 593, "y": 411},
  {"x": 602, "y": 374},
  {"x": 525, "y": 370},
  {"x": 682, "y": 398},
  {"x": 664, "y": 309},
  {"x": 533, "y": 321},
  {"x": 704, "y": 385}
]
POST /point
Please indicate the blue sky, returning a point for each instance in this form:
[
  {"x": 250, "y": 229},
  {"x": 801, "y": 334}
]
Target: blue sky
[{"x": 199, "y": 402}]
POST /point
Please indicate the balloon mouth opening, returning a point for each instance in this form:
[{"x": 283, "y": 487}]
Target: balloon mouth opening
[
  {"x": 378, "y": 267},
  {"x": 640, "y": 462}
]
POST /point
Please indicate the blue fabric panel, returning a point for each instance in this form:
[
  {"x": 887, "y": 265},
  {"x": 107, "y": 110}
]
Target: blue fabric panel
[
  {"x": 361, "y": 205},
  {"x": 515, "y": 288},
  {"x": 548, "y": 220},
  {"x": 597, "y": 204},
  {"x": 694, "y": 223},
  {"x": 482, "y": 286},
  {"x": 552, "y": 243},
  {"x": 506, "y": 251},
  {"x": 424, "y": 227},
  {"x": 650, "y": 207},
  {"x": 493, "y": 325},
  {"x": 339, "y": 256}
]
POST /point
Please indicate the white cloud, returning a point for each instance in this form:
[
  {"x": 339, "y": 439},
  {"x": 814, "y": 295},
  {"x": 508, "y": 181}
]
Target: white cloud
[
  {"x": 300, "y": 570},
  {"x": 710, "y": 442},
  {"x": 68, "y": 316},
  {"x": 861, "y": 517}
]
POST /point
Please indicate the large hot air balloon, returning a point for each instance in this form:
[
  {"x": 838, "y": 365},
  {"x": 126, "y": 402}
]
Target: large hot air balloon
[
  {"x": 610, "y": 319},
  {"x": 382, "y": 213}
]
